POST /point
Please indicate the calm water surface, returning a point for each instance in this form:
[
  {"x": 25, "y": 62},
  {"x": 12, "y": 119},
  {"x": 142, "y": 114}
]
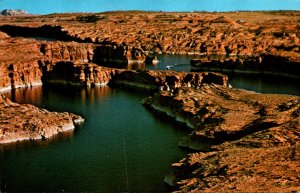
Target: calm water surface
[
  {"x": 93, "y": 158},
  {"x": 258, "y": 83}
]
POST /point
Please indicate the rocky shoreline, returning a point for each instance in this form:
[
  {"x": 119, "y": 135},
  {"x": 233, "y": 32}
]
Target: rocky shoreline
[
  {"x": 21, "y": 122},
  {"x": 124, "y": 37},
  {"x": 254, "y": 137},
  {"x": 263, "y": 64},
  {"x": 249, "y": 133},
  {"x": 27, "y": 63}
]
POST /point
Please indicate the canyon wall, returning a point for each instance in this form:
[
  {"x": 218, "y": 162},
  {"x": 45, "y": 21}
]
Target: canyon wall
[
  {"x": 254, "y": 138},
  {"x": 19, "y": 63},
  {"x": 233, "y": 33},
  {"x": 263, "y": 64},
  {"x": 123, "y": 37},
  {"x": 28, "y": 62},
  {"x": 166, "y": 80},
  {"x": 75, "y": 48}
]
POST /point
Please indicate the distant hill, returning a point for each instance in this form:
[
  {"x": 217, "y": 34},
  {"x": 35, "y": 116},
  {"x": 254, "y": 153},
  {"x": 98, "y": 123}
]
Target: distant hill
[{"x": 13, "y": 12}]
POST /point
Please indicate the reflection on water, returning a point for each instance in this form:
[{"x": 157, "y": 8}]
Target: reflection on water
[
  {"x": 137, "y": 66},
  {"x": 26, "y": 94},
  {"x": 253, "y": 82},
  {"x": 265, "y": 83},
  {"x": 66, "y": 136},
  {"x": 175, "y": 62},
  {"x": 92, "y": 158}
]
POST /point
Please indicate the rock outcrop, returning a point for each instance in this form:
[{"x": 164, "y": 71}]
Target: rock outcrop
[
  {"x": 26, "y": 122},
  {"x": 166, "y": 80},
  {"x": 263, "y": 64},
  {"x": 230, "y": 34},
  {"x": 77, "y": 74},
  {"x": 13, "y": 12},
  {"x": 235, "y": 33},
  {"x": 19, "y": 63},
  {"x": 28, "y": 62},
  {"x": 124, "y": 37},
  {"x": 73, "y": 48},
  {"x": 254, "y": 137},
  {"x": 251, "y": 132}
]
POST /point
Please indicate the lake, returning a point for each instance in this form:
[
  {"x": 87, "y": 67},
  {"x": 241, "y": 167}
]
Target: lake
[
  {"x": 121, "y": 147},
  {"x": 253, "y": 82},
  {"x": 117, "y": 128}
]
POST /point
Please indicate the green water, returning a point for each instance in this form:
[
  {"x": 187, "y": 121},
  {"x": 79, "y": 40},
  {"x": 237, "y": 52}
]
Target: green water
[
  {"x": 117, "y": 129},
  {"x": 92, "y": 159}
]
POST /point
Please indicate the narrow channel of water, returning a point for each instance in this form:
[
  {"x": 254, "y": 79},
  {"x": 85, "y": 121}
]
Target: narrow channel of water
[
  {"x": 92, "y": 159},
  {"x": 253, "y": 82}
]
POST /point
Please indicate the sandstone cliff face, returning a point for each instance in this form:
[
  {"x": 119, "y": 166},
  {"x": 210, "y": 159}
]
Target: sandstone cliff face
[
  {"x": 255, "y": 137},
  {"x": 253, "y": 132},
  {"x": 71, "y": 51},
  {"x": 166, "y": 80},
  {"x": 84, "y": 50},
  {"x": 28, "y": 62},
  {"x": 131, "y": 36},
  {"x": 24, "y": 74},
  {"x": 88, "y": 74},
  {"x": 26, "y": 122},
  {"x": 19, "y": 63},
  {"x": 265, "y": 42},
  {"x": 264, "y": 64},
  {"x": 80, "y": 74},
  {"x": 118, "y": 54},
  {"x": 70, "y": 63},
  {"x": 241, "y": 33}
]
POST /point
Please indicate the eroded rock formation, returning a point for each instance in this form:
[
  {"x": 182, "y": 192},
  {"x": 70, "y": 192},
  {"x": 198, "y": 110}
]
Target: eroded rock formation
[
  {"x": 28, "y": 62},
  {"x": 122, "y": 37},
  {"x": 13, "y": 12},
  {"x": 19, "y": 63},
  {"x": 252, "y": 132},
  {"x": 255, "y": 137},
  {"x": 263, "y": 64},
  {"x": 73, "y": 48},
  {"x": 236, "y": 33},
  {"x": 166, "y": 80},
  {"x": 80, "y": 74},
  {"x": 26, "y": 122}
]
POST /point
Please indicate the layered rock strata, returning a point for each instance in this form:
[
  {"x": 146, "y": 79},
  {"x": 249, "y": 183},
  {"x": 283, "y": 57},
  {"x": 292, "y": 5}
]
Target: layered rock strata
[
  {"x": 166, "y": 80},
  {"x": 19, "y": 63},
  {"x": 73, "y": 48},
  {"x": 28, "y": 62},
  {"x": 251, "y": 132},
  {"x": 265, "y": 42},
  {"x": 234, "y": 33},
  {"x": 131, "y": 36},
  {"x": 76, "y": 74},
  {"x": 26, "y": 122},
  {"x": 263, "y": 64}
]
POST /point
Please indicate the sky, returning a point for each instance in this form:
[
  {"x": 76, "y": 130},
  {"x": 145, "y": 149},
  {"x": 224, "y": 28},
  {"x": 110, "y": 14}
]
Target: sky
[{"x": 58, "y": 6}]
